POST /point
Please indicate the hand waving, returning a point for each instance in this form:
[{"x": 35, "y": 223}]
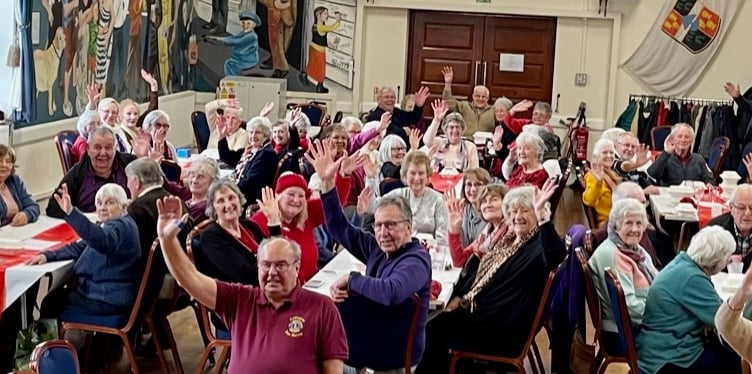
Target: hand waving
[
  {"x": 414, "y": 139},
  {"x": 269, "y": 206},
  {"x": 668, "y": 144},
  {"x": 456, "y": 211},
  {"x": 448, "y": 73},
  {"x": 542, "y": 196},
  {"x": 153, "y": 85},
  {"x": 386, "y": 119},
  {"x": 321, "y": 158},
  {"x": 371, "y": 168},
  {"x": 421, "y": 96},
  {"x": 440, "y": 109},
  {"x": 643, "y": 155},
  {"x": 63, "y": 199},
  {"x": 732, "y": 89},
  {"x": 169, "y": 221},
  {"x": 268, "y": 107},
  {"x": 352, "y": 162},
  {"x": 522, "y": 106},
  {"x": 93, "y": 94},
  {"x": 364, "y": 199}
]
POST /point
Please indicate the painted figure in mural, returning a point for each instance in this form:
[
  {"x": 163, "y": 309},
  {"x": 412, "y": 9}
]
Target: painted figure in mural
[
  {"x": 280, "y": 18},
  {"x": 244, "y": 45},
  {"x": 104, "y": 41},
  {"x": 46, "y": 62},
  {"x": 218, "y": 23},
  {"x": 164, "y": 44},
  {"x": 62, "y": 13},
  {"x": 118, "y": 56},
  {"x": 135, "y": 8},
  {"x": 316, "y": 67},
  {"x": 88, "y": 30},
  {"x": 180, "y": 42}
]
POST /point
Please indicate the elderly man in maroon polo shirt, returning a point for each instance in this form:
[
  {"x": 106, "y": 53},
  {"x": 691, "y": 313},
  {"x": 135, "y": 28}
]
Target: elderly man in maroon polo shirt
[{"x": 278, "y": 327}]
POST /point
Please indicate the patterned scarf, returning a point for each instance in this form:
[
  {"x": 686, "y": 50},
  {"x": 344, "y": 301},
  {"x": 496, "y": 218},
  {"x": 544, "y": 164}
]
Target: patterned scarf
[
  {"x": 636, "y": 253},
  {"x": 492, "y": 261},
  {"x": 238, "y": 172}
]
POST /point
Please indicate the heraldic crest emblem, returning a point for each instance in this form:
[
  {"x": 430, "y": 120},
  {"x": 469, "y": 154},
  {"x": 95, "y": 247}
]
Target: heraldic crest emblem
[{"x": 692, "y": 24}]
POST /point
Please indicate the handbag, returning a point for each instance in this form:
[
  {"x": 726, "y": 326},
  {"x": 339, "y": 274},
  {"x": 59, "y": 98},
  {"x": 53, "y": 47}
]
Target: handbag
[
  {"x": 582, "y": 355},
  {"x": 27, "y": 339}
]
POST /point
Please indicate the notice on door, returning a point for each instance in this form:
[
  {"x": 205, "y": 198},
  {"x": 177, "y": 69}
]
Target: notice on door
[{"x": 511, "y": 62}]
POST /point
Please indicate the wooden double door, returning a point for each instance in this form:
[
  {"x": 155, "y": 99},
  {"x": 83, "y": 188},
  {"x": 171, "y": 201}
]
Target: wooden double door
[{"x": 471, "y": 44}]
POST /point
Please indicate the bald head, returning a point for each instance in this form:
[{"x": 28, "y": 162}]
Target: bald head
[
  {"x": 741, "y": 208},
  {"x": 480, "y": 96},
  {"x": 387, "y": 98}
]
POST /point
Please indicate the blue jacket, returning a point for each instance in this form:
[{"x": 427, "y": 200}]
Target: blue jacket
[
  {"x": 22, "y": 197},
  {"x": 108, "y": 258},
  {"x": 388, "y": 285}
]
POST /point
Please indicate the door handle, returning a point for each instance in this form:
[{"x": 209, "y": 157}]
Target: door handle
[
  {"x": 485, "y": 71},
  {"x": 477, "y": 65}
]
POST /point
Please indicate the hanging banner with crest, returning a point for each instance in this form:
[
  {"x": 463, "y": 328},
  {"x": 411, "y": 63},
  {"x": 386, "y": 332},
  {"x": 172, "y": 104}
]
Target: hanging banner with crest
[{"x": 680, "y": 44}]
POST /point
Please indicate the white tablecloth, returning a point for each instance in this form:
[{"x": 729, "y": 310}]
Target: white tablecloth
[
  {"x": 726, "y": 284},
  {"x": 344, "y": 263},
  {"x": 19, "y": 278},
  {"x": 664, "y": 206}
]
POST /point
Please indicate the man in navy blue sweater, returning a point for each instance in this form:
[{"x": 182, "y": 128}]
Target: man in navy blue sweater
[
  {"x": 400, "y": 118},
  {"x": 377, "y": 307}
]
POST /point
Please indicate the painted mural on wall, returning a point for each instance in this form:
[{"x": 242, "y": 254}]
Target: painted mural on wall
[
  {"x": 186, "y": 45},
  {"x": 309, "y": 43},
  {"x": 108, "y": 42}
]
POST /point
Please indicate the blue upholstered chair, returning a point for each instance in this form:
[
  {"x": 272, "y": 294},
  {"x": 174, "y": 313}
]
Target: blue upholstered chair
[
  {"x": 201, "y": 130},
  {"x": 622, "y": 319},
  {"x": 55, "y": 357}
]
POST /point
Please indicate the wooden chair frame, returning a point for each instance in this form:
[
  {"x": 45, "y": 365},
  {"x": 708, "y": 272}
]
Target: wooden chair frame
[
  {"x": 60, "y": 140},
  {"x": 202, "y": 314},
  {"x": 625, "y": 327},
  {"x": 528, "y": 349},
  {"x": 43, "y": 347},
  {"x": 132, "y": 320}
]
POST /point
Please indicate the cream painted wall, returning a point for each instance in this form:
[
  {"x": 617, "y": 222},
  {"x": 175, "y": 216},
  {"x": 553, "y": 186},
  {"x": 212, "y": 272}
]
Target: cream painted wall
[
  {"x": 585, "y": 42},
  {"x": 39, "y": 165}
]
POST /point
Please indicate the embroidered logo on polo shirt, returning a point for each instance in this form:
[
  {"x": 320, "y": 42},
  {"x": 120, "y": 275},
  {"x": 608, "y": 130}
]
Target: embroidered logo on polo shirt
[{"x": 295, "y": 327}]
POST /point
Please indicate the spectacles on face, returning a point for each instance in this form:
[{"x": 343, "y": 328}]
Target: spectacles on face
[
  {"x": 388, "y": 225},
  {"x": 399, "y": 149},
  {"x": 280, "y": 266},
  {"x": 159, "y": 125},
  {"x": 743, "y": 208}
]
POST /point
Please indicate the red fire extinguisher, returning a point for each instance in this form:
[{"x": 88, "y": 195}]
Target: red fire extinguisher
[{"x": 579, "y": 136}]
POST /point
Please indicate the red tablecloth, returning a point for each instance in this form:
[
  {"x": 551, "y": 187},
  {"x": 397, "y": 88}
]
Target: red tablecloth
[{"x": 442, "y": 183}]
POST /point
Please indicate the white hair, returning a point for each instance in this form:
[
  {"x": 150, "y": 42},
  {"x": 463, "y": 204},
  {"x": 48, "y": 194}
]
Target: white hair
[
  {"x": 262, "y": 123},
  {"x": 206, "y": 165},
  {"x": 153, "y": 117},
  {"x": 523, "y": 196},
  {"x": 503, "y": 102},
  {"x": 531, "y": 138},
  {"x": 623, "y": 208},
  {"x": 349, "y": 120},
  {"x": 624, "y": 189},
  {"x": 112, "y": 191},
  {"x": 107, "y": 101},
  {"x": 682, "y": 125},
  {"x": 734, "y": 194},
  {"x": 84, "y": 120},
  {"x": 613, "y": 134},
  {"x": 385, "y": 150},
  {"x": 711, "y": 247},
  {"x": 601, "y": 145}
]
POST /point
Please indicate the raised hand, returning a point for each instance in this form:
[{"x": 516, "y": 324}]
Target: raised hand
[
  {"x": 321, "y": 158},
  {"x": 364, "y": 200},
  {"x": 269, "y": 206},
  {"x": 668, "y": 144},
  {"x": 153, "y": 85},
  {"x": 230, "y": 103},
  {"x": 542, "y": 196},
  {"x": 522, "y": 106},
  {"x": 386, "y": 119},
  {"x": 157, "y": 151},
  {"x": 597, "y": 171},
  {"x": 497, "y": 136},
  {"x": 414, "y": 139},
  {"x": 93, "y": 94},
  {"x": 268, "y": 107},
  {"x": 440, "y": 109},
  {"x": 222, "y": 127},
  {"x": 169, "y": 220},
  {"x": 456, "y": 209},
  {"x": 448, "y": 73},
  {"x": 371, "y": 168},
  {"x": 63, "y": 199},
  {"x": 732, "y": 89},
  {"x": 748, "y": 164},
  {"x": 352, "y": 162},
  {"x": 295, "y": 115},
  {"x": 643, "y": 155},
  {"x": 421, "y": 96}
]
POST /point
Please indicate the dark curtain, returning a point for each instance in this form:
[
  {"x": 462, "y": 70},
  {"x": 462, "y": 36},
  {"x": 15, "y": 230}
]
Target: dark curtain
[{"x": 28, "y": 111}]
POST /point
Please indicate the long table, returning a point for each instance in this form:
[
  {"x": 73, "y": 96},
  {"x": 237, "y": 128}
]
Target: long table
[
  {"x": 344, "y": 263},
  {"x": 21, "y": 242}
]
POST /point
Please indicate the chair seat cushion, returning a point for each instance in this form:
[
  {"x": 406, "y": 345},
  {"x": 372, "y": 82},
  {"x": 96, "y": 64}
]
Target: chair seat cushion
[
  {"x": 75, "y": 316},
  {"x": 222, "y": 334},
  {"x": 58, "y": 360}
]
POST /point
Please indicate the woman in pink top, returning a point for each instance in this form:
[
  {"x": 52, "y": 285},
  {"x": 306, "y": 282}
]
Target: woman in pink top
[{"x": 524, "y": 164}]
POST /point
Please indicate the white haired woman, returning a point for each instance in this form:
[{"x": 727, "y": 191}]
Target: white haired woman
[
  {"x": 157, "y": 125},
  {"x": 502, "y": 297},
  {"x": 525, "y": 162},
  {"x": 601, "y": 180},
  {"x": 108, "y": 109},
  {"x": 633, "y": 265},
  {"x": 108, "y": 264},
  {"x": 365, "y": 135},
  {"x": 451, "y": 151},
  {"x": 259, "y": 131},
  {"x": 680, "y": 308},
  {"x": 392, "y": 153},
  {"x": 678, "y": 163},
  {"x": 87, "y": 122},
  {"x": 201, "y": 174}
]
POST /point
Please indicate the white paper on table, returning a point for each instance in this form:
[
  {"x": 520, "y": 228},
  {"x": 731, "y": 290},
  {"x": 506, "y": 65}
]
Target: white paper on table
[{"x": 21, "y": 233}]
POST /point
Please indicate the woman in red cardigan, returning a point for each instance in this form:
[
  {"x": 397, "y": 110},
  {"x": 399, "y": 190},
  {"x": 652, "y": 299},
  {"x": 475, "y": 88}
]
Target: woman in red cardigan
[{"x": 301, "y": 214}]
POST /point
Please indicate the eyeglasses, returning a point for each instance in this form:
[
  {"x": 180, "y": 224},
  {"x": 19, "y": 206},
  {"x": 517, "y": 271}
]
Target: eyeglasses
[
  {"x": 162, "y": 125},
  {"x": 281, "y": 266},
  {"x": 743, "y": 208},
  {"x": 398, "y": 149},
  {"x": 389, "y": 225}
]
